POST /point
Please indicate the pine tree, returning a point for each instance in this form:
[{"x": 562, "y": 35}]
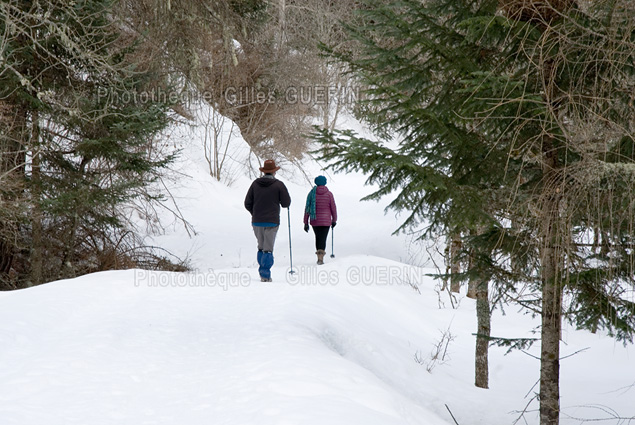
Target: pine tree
[
  {"x": 83, "y": 131},
  {"x": 516, "y": 129}
]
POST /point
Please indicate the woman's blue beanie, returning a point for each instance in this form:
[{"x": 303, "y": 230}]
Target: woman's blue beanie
[{"x": 320, "y": 180}]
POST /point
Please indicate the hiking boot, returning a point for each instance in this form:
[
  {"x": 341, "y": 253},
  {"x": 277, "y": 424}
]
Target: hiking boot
[
  {"x": 320, "y": 255},
  {"x": 266, "y": 279}
]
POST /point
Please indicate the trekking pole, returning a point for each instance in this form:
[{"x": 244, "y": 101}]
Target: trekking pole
[
  {"x": 290, "y": 251},
  {"x": 332, "y": 236}
]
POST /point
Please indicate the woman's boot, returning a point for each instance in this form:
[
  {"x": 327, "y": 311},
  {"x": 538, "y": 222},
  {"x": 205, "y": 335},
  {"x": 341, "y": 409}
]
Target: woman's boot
[{"x": 320, "y": 254}]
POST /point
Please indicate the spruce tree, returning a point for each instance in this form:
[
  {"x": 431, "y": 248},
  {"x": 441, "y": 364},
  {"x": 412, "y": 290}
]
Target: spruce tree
[
  {"x": 83, "y": 130},
  {"x": 515, "y": 122}
]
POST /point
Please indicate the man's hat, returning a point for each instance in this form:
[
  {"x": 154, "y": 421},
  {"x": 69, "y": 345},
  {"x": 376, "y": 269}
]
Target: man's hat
[{"x": 269, "y": 167}]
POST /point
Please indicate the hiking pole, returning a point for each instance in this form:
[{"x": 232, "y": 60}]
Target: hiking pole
[
  {"x": 332, "y": 233},
  {"x": 290, "y": 251}
]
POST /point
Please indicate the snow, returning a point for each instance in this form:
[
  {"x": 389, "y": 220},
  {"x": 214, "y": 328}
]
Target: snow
[
  {"x": 224, "y": 235},
  {"x": 139, "y": 347},
  {"x": 349, "y": 342}
]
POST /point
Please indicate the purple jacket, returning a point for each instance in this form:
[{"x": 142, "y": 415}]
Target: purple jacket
[{"x": 325, "y": 209}]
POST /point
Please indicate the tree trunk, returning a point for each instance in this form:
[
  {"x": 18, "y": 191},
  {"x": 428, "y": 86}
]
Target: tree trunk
[
  {"x": 551, "y": 296},
  {"x": 514, "y": 262},
  {"x": 472, "y": 289},
  {"x": 481, "y": 379},
  {"x": 36, "y": 212},
  {"x": 12, "y": 158},
  {"x": 455, "y": 264},
  {"x": 550, "y": 340},
  {"x": 282, "y": 24}
]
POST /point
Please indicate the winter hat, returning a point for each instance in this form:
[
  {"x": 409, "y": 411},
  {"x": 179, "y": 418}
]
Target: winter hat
[
  {"x": 320, "y": 180},
  {"x": 269, "y": 167}
]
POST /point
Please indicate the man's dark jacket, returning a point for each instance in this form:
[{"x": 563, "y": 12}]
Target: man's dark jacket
[{"x": 264, "y": 198}]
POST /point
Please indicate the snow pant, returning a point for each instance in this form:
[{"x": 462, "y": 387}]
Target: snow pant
[
  {"x": 321, "y": 233},
  {"x": 266, "y": 237},
  {"x": 265, "y": 261}
]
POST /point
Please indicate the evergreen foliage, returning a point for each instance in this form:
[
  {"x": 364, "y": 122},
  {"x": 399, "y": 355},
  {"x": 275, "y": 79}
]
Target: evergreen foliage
[
  {"x": 461, "y": 86},
  {"x": 515, "y": 127},
  {"x": 83, "y": 121}
]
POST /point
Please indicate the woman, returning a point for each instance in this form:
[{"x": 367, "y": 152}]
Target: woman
[{"x": 320, "y": 209}]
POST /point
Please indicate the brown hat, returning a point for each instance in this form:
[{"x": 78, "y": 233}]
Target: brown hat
[{"x": 269, "y": 167}]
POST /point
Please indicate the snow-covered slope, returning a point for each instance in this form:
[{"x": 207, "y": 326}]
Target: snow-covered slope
[
  {"x": 224, "y": 235},
  {"x": 348, "y": 343},
  {"x": 335, "y": 345}
]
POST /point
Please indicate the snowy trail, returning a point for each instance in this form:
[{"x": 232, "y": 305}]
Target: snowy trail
[
  {"x": 136, "y": 347},
  {"x": 108, "y": 349}
]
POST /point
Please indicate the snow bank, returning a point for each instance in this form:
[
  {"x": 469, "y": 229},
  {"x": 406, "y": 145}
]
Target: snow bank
[{"x": 137, "y": 347}]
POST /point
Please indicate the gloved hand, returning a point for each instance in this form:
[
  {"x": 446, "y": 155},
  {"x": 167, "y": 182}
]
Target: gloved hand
[
  {"x": 306, "y": 228},
  {"x": 333, "y": 225}
]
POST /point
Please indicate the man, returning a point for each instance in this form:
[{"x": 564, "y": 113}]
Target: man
[{"x": 263, "y": 201}]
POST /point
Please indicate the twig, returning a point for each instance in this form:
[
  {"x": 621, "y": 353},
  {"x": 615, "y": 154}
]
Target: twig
[
  {"x": 530, "y": 355},
  {"x": 522, "y": 413},
  {"x": 453, "y": 418},
  {"x": 573, "y": 354},
  {"x": 532, "y": 387},
  {"x": 612, "y": 415},
  {"x": 531, "y": 400}
]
